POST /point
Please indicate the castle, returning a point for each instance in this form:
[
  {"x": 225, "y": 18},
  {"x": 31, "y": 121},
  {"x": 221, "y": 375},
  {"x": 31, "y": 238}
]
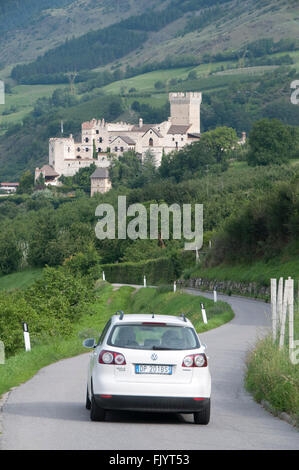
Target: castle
[{"x": 100, "y": 140}]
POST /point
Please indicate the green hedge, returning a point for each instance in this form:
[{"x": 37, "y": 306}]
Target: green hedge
[{"x": 157, "y": 271}]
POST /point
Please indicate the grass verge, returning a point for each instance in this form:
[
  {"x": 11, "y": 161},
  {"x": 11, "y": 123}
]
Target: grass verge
[
  {"x": 22, "y": 366},
  {"x": 271, "y": 375},
  {"x": 259, "y": 272}
]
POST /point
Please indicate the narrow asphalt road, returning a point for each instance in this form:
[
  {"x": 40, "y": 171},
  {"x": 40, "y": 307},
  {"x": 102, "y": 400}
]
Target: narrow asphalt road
[{"x": 48, "y": 411}]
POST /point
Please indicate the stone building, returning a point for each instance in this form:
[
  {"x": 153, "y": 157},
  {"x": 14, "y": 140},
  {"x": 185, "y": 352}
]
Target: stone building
[
  {"x": 99, "y": 181},
  {"x": 100, "y": 140}
]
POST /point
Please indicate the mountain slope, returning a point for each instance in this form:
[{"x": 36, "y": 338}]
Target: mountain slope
[
  {"x": 173, "y": 27},
  {"x": 31, "y": 27}
]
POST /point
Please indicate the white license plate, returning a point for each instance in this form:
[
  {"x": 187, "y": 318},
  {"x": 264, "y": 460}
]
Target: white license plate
[{"x": 153, "y": 369}]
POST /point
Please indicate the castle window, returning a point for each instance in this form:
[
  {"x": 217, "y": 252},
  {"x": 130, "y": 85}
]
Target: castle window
[
  {"x": 182, "y": 138},
  {"x": 121, "y": 149},
  {"x": 99, "y": 149},
  {"x": 78, "y": 149},
  {"x": 151, "y": 142},
  {"x": 100, "y": 140},
  {"x": 78, "y": 156},
  {"x": 173, "y": 139},
  {"x": 115, "y": 149},
  {"x": 97, "y": 131},
  {"x": 87, "y": 149},
  {"x": 86, "y": 139}
]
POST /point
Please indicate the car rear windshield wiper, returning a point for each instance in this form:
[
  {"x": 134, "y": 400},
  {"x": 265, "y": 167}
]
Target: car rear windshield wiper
[{"x": 160, "y": 348}]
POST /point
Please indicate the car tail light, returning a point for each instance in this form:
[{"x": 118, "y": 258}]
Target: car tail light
[
  {"x": 195, "y": 360},
  {"x": 200, "y": 360},
  {"x": 119, "y": 359},
  {"x": 111, "y": 357},
  {"x": 188, "y": 361}
]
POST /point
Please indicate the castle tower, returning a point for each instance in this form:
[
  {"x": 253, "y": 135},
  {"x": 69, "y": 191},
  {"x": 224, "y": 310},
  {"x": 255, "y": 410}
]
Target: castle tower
[
  {"x": 185, "y": 110},
  {"x": 60, "y": 148}
]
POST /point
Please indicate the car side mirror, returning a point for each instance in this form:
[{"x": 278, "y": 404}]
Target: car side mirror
[{"x": 89, "y": 343}]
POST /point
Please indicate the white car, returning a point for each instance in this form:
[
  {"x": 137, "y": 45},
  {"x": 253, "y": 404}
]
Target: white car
[{"x": 148, "y": 363}]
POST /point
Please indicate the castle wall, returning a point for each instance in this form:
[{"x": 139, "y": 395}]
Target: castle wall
[{"x": 67, "y": 156}]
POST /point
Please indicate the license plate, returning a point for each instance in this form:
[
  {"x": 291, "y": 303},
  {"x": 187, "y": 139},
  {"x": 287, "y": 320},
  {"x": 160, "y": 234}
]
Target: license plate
[{"x": 153, "y": 369}]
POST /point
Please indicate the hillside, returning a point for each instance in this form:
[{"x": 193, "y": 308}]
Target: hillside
[
  {"x": 129, "y": 55},
  {"x": 170, "y": 27},
  {"x": 31, "y": 27}
]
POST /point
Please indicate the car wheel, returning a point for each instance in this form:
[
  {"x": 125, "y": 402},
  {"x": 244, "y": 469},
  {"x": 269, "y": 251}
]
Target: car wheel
[
  {"x": 202, "y": 416},
  {"x": 96, "y": 412},
  {"x": 88, "y": 402}
]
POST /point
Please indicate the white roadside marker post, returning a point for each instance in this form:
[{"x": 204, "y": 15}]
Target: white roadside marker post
[
  {"x": 288, "y": 308},
  {"x": 291, "y": 315},
  {"x": 174, "y": 286},
  {"x": 203, "y": 312},
  {"x": 144, "y": 281},
  {"x": 104, "y": 278},
  {"x": 279, "y": 300},
  {"x": 215, "y": 294},
  {"x": 26, "y": 337},
  {"x": 2, "y": 353},
  {"x": 274, "y": 308}
]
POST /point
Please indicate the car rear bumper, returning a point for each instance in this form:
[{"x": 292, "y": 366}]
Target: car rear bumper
[{"x": 154, "y": 404}]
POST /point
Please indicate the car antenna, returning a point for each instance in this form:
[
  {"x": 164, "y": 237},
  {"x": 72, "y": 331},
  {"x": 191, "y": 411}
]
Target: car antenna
[
  {"x": 153, "y": 315},
  {"x": 183, "y": 317},
  {"x": 121, "y": 314}
]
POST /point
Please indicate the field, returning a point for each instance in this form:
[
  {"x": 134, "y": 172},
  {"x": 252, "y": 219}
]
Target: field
[
  {"x": 210, "y": 77},
  {"x": 21, "y": 102},
  {"x": 20, "y": 280}
]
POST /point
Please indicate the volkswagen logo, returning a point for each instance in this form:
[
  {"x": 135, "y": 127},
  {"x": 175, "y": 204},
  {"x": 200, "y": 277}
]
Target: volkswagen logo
[{"x": 154, "y": 356}]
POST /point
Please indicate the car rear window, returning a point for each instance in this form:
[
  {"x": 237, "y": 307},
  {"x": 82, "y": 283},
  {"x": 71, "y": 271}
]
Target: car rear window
[{"x": 153, "y": 336}]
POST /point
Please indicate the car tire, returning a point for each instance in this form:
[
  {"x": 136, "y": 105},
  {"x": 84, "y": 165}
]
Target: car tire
[
  {"x": 88, "y": 402},
  {"x": 203, "y": 416},
  {"x": 96, "y": 412}
]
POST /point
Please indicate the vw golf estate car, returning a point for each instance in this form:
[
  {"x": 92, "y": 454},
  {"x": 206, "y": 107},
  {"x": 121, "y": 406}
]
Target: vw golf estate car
[{"x": 148, "y": 363}]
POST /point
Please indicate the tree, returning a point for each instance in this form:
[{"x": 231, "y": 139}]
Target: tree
[
  {"x": 26, "y": 183},
  {"x": 94, "y": 149},
  {"x": 192, "y": 75},
  {"x": 10, "y": 253},
  {"x": 125, "y": 170},
  {"x": 219, "y": 141},
  {"x": 189, "y": 162},
  {"x": 159, "y": 85},
  {"x": 40, "y": 182},
  {"x": 270, "y": 141}
]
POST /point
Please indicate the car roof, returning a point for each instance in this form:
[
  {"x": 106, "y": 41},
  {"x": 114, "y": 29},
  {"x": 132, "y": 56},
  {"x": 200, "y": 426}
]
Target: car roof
[{"x": 141, "y": 317}]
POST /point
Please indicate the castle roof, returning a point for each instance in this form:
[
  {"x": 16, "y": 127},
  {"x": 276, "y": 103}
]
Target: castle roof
[
  {"x": 100, "y": 173},
  {"x": 126, "y": 139},
  {"x": 48, "y": 170},
  {"x": 194, "y": 134},
  {"x": 178, "y": 129},
  {"x": 144, "y": 128},
  {"x": 89, "y": 124},
  {"x": 154, "y": 130}
]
